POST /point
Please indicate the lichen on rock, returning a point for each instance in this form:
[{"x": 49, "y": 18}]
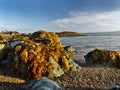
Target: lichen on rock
[{"x": 103, "y": 57}]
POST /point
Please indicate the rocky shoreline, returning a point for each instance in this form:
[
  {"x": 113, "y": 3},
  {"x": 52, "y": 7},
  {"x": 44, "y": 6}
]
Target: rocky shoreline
[{"x": 43, "y": 55}]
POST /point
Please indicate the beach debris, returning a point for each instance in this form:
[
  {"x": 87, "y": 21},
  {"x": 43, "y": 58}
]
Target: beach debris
[
  {"x": 42, "y": 55},
  {"x": 41, "y": 84},
  {"x": 103, "y": 57}
]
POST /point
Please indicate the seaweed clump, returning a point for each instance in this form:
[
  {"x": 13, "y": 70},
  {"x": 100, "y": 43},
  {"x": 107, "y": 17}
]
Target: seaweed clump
[
  {"x": 103, "y": 57},
  {"x": 42, "y": 55}
]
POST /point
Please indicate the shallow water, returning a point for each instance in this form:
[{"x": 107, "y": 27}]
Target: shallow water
[{"x": 84, "y": 44}]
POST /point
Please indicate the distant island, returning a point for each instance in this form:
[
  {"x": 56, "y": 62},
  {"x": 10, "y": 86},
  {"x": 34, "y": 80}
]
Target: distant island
[{"x": 69, "y": 34}]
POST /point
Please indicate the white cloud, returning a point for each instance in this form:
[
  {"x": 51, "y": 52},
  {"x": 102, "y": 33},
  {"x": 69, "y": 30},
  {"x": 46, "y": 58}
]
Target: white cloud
[{"x": 86, "y": 21}]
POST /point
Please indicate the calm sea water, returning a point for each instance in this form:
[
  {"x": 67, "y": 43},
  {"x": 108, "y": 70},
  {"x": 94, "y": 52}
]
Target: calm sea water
[{"x": 84, "y": 44}]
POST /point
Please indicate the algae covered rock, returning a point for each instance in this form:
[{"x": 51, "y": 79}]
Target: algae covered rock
[
  {"x": 42, "y": 55},
  {"x": 104, "y": 57}
]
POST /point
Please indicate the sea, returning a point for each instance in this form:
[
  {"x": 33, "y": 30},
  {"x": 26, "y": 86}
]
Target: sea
[{"x": 101, "y": 40}]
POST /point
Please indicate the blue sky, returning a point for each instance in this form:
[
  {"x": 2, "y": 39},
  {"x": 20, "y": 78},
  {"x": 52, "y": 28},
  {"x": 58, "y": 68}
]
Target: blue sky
[{"x": 60, "y": 15}]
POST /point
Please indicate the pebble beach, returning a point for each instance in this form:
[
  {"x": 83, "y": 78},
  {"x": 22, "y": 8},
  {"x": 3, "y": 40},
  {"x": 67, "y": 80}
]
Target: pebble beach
[{"x": 88, "y": 77}]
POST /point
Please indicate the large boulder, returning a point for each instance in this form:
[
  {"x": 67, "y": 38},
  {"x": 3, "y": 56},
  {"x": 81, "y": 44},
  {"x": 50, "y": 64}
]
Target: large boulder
[
  {"x": 103, "y": 57},
  {"x": 42, "y": 55}
]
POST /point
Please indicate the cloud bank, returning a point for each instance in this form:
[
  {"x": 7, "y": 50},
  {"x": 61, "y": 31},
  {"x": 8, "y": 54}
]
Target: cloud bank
[{"x": 89, "y": 21}]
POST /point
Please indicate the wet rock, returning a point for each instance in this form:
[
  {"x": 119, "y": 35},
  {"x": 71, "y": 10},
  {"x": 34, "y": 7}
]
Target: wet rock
[
  {"x": 103, "y": 57},
  {"x": 41, "y": 84}
]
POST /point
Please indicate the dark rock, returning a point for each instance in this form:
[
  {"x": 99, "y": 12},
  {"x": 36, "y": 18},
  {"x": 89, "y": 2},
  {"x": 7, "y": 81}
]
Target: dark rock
[{"x": 41, "y": 84}]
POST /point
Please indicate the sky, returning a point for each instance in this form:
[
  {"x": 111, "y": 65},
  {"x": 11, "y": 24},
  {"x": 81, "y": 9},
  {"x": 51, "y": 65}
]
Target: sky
[{"x": 60, "y": 15}]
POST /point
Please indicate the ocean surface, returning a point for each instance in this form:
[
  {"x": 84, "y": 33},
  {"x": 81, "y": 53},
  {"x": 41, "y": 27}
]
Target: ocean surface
[{"x": 84, "y": 44}]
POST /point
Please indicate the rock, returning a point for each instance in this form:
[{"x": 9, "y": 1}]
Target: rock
[
  {"x": 103, "y": 57},
  {"x": 42, "y": 55},
  {"x": 113, "y": 87},
  {"x": 73, "y": 65},
  {"x": 40, "y": 36},
  {"x": 41, "y": 84},
  {"x": 70, "y": 49},
  {"x": 56, "y": 71}
]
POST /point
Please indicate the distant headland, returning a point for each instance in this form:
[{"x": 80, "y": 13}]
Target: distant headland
[{"x": 69, "y": 34}]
